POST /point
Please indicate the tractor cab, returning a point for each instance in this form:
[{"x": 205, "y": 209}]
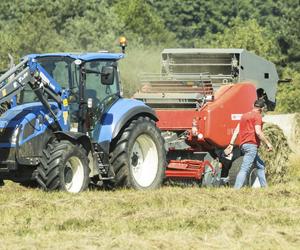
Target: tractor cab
[{"x": 92, "y": 80}]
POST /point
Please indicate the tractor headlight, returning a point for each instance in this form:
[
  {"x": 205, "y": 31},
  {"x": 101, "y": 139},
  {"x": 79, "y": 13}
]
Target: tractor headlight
[{"x": 14, "y": 136}]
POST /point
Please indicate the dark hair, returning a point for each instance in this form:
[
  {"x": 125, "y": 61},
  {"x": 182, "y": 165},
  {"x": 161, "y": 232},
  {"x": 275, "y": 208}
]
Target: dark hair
[
  {"x": 260, "y": 92},
  {"x": 260, "y": 103}
]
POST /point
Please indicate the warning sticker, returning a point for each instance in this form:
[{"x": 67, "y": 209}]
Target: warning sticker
[
  {"x": 65, "y": 102},
  {"x": 236, "y": 117}
]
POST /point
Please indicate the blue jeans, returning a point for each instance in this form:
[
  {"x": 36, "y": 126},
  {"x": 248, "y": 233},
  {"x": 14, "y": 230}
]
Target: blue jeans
[{"x": 250, "y": 156}]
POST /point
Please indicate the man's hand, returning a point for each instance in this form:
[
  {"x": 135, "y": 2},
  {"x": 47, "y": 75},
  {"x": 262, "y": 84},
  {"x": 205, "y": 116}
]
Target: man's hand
[
  {"x": 270, "y": 148},
  {"x": 261, "y": 135},
  {"x": 228, "y": 150}
]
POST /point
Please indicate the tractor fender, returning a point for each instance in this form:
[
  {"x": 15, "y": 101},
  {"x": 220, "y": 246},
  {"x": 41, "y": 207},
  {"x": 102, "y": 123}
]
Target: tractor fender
[
  {"x": 118, "y": 115},
  {"x": 80, "y": 138}
]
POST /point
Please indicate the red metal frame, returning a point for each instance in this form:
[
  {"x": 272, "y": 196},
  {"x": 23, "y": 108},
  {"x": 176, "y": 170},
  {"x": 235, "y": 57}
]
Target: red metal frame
[
  {"x": 175, "y": 120},
  {"x": 187, "y": 169}
]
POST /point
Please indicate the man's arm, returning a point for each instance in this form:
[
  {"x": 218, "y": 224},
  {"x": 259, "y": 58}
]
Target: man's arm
[
  {"x": 229, "y": 148},
  {"x": 235, "y": 134},
  {"x": 262, "y": 137}
]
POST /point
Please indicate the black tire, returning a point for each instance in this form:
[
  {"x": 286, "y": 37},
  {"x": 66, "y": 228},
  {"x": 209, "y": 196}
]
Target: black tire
[
  {"x": 129, "y": 158},
  {"x": 234, "y": 170},
  {"x": 29, "y": 184},
  {"x": 56, "y": 171}
]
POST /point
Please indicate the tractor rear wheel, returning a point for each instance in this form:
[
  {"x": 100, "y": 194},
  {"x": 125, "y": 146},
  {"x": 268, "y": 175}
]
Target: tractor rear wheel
[
  {"x": 63, "y": 167},
  {"x": 138, "y": 156}
]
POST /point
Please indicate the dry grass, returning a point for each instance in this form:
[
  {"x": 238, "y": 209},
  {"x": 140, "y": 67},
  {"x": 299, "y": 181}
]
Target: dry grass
[
  {"x": 169, "y": 218},
  {"x": 294, "y": 166}
]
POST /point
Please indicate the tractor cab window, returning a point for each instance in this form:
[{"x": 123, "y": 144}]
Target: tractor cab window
[
  {"x": 58, "y": 68},
  {"x": 61, "y": 69},
  {"x": 94, "y": 88}
]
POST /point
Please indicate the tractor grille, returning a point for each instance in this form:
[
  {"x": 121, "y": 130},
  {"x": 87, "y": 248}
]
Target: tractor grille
[{"x": 6, "y": 134}]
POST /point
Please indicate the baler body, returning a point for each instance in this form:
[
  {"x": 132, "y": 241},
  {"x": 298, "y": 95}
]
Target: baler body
[{"x": 199, "y": 98}]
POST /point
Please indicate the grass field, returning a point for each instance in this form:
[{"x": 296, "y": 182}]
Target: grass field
[{"x": 168, "y": 218}]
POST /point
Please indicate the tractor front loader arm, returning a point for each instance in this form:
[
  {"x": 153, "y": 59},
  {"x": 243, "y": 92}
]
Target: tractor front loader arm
[
  {"x": 29, "y": 72},
  {"x": 14, "y": 81}
]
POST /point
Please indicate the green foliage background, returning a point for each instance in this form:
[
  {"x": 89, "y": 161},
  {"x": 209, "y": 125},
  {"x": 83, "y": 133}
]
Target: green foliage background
[{"x": 270, "y": 28}]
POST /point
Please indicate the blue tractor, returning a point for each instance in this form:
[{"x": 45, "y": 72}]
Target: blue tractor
[{"x": 64, "y": 126}]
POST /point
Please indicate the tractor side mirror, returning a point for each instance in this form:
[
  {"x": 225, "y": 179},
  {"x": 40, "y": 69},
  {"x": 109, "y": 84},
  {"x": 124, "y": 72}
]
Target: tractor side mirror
[{"x": 107, "y": 75}]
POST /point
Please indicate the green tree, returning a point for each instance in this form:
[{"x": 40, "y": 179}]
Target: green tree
[
  {"x": 289, "y": 34},
  {"x": 96, "y": 29},
  {"x": 27, "y": 35},
  {"x": 193, "y": 20},
  {"x": 9, "y": 45},
  {"x": 288, "y": 100},
  {"x": 141, "y": 24},
  {"x": 248, "y": 35},
  {"x": 29, "y": 26},
  {"x": 34, "y": 25}
]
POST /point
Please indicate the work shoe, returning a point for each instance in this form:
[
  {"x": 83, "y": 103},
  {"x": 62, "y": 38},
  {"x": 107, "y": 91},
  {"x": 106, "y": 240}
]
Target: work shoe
[{"x": 224, "y": 181}]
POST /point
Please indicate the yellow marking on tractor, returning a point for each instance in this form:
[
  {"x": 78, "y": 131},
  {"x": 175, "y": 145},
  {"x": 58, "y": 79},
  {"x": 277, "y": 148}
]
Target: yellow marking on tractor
[
  {"x": 65, "y": 102},
  {"x": 65, "y": 115}
]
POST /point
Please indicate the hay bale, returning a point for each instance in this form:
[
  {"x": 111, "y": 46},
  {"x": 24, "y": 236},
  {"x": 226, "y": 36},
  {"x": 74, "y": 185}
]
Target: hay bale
[{"x": 277, "y": 160}]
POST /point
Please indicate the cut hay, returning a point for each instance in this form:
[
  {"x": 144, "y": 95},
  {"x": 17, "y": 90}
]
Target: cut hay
[
  {"x": 296, "y": 128},
  {"x": 277, "y": 160}
]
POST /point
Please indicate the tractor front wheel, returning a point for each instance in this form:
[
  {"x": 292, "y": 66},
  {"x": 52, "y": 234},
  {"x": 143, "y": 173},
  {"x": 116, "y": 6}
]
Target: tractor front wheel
[
  {"x": 63, "y": 167},
  {"x": 138, "y": 156}
]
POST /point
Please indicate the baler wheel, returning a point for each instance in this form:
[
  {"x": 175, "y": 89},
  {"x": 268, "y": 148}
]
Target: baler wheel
[
  {"x": 234, "y": 170},
  {"x": 63, "y": 167},
  {"x": 138, "y": 156}
]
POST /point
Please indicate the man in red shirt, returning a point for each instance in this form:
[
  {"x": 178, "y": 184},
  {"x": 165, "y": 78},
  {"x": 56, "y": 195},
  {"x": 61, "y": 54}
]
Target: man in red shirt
[{"x": 250, "y": 131}]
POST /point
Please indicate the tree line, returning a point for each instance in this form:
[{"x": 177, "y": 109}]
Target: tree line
[{"x": 269, "y": 28}]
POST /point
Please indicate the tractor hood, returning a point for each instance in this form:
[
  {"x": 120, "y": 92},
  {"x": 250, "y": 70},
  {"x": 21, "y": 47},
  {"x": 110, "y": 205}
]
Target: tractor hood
[
  {"x": 22, "y": 123},
  {"x": 16, "y": 115}
]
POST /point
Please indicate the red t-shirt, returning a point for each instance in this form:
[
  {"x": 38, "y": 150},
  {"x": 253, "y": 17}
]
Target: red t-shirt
[{"x": 247, "y": 127}]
